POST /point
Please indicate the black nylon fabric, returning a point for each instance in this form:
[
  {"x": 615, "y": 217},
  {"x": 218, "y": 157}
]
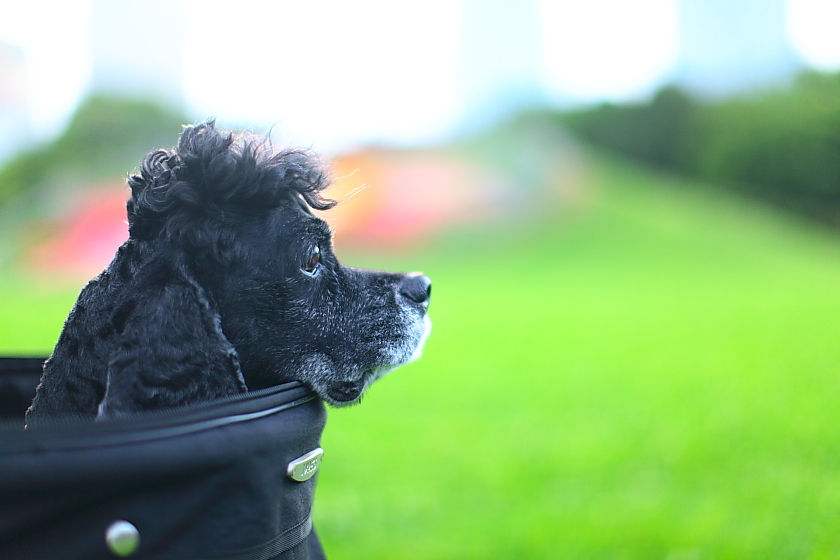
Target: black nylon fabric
[{"x": 204, "y": 482}]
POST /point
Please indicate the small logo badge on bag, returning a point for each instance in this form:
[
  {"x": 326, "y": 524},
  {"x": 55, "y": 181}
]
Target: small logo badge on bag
[
  {"x": 305, "y": 467},
  {"x": 122, "y": 538}
]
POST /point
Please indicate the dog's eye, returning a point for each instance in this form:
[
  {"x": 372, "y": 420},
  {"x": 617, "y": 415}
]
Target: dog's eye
[{"x": 312, "y": 263}]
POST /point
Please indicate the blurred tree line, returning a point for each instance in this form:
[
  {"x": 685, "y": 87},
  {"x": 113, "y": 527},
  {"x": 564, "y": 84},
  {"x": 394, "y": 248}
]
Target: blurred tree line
[
  {"x": 782, "y": 146},
  {"x": 106, "y": 138}
]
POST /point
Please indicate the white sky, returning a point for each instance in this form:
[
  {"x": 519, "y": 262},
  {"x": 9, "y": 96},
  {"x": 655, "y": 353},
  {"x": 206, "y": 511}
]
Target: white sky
[
  {"x": 813, "y": 27},
  {"x": 375, "y": 69},
  {"x": 597, "y": 49},
  {"x": 57, "y": 48}
]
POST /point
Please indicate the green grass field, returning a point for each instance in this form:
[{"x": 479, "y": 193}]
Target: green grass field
[{"x": 654, "y": 375}]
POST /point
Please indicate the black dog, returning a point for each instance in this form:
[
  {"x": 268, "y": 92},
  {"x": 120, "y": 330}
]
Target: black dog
[{"x": 226, "y": 284}]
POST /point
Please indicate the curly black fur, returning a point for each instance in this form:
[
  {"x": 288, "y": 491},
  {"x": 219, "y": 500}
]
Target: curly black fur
[{"x": 212, "y": 295}]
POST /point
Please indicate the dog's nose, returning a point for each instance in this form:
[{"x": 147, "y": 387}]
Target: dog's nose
[{"x": 416, "y": 287}]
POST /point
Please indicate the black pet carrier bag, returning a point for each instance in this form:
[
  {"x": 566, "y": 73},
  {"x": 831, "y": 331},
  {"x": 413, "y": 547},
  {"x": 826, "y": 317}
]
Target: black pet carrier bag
[{"x": 231, "y": 479}]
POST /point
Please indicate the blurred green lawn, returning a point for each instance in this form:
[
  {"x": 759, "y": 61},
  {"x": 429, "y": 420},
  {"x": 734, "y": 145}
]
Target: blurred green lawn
[{"x": 651, "y": 376}]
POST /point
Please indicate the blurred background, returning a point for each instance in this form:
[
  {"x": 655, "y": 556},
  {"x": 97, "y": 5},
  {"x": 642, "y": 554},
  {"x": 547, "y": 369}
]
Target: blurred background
[{"x": 629, "y": 210}]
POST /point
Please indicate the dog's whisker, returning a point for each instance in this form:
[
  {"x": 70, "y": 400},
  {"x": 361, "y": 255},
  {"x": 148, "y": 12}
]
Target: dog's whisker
[{"x": 355, "y": 191}]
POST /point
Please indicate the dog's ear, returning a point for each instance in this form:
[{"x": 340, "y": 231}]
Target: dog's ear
[{"x": 171, "y": 350}]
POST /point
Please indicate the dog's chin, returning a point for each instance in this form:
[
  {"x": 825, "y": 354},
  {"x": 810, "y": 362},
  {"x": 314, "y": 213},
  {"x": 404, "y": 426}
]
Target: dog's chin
[
  {"x": 346, "y": 393},
  {"x": 350, "y": 391}
]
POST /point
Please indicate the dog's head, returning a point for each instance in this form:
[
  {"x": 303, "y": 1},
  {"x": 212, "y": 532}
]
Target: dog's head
[{"x": 241, "y": 214}]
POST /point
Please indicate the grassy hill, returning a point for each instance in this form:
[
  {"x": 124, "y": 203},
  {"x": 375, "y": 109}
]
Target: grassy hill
[{"x": 653, "y": 375}]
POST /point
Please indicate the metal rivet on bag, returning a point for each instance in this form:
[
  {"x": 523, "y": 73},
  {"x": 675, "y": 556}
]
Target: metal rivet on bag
[
  {"x": 122, "y": 538},
  {"x": 305, "y": 467}
]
